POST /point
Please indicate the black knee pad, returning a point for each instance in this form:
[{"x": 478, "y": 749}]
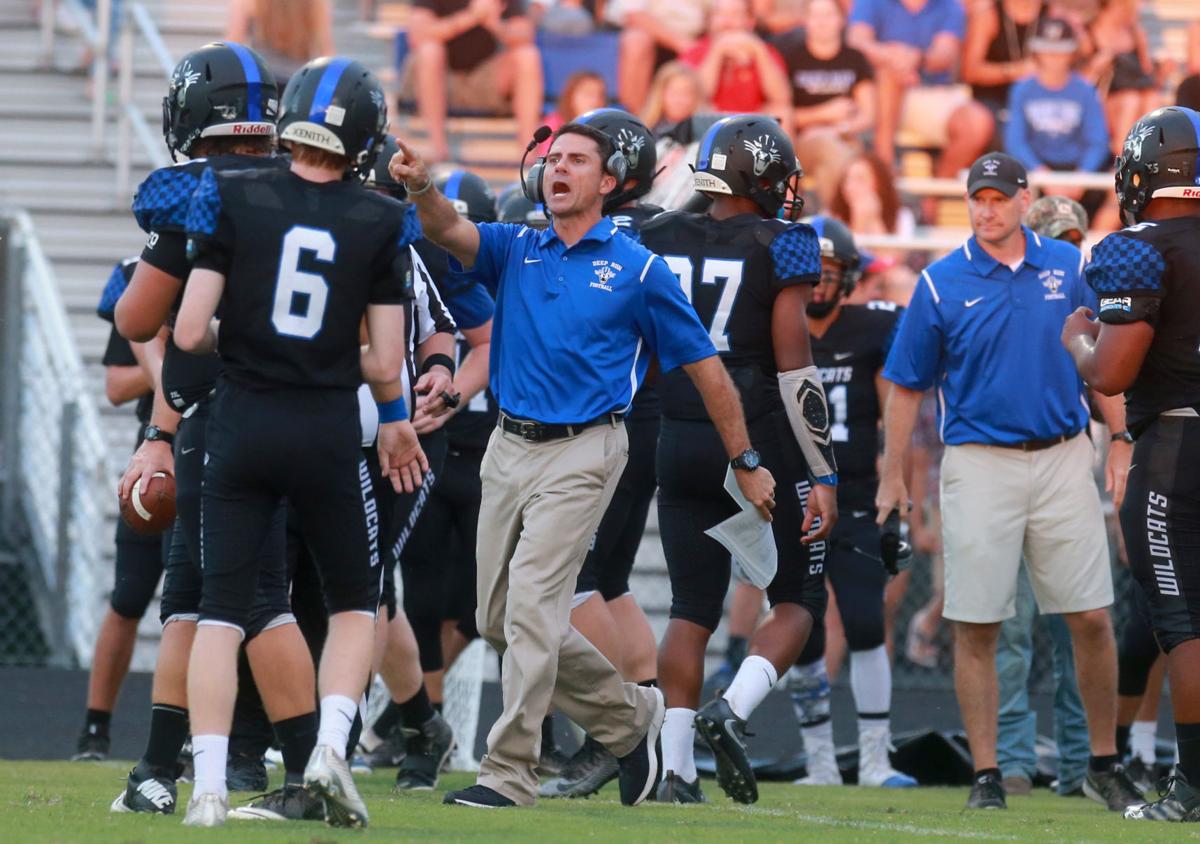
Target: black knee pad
[
  {"x": 139, "y": 565},
  {"x": 864, "y": 633}
]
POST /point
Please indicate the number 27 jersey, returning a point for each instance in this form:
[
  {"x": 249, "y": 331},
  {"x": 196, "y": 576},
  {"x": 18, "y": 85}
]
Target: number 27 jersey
[{"x": 302, "y": 260}]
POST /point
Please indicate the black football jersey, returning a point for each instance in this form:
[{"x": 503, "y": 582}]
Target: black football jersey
[
  {"x": 849, "y": 356},
  {"x": 646, "y": 404},
  {"x": 731, "y": 271},
  {"x": 301, "y": 260},
  {"x": 1151, "y": 272},
  {"x": 160, "y": 208}
]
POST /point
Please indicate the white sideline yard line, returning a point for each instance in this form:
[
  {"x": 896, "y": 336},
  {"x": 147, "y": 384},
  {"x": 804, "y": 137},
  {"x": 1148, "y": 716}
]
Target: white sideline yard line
[{"x": 879, "y": 826}]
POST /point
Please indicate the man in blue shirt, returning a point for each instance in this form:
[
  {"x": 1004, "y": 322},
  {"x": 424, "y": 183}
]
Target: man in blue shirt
[
  {"x": 580, "y": 308},
  {"x": 982, "y": 329}
]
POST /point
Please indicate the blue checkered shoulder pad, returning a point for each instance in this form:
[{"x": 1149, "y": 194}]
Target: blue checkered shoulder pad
[
  {"x": 161, "y": 201},
  {"x": 113, "y": 288},
  {"x": 796, "y": 253},
  {"x": 410, "y": 227},
  {"x": 205, "y": 208},
  {"x": 1122, "y": 263}
]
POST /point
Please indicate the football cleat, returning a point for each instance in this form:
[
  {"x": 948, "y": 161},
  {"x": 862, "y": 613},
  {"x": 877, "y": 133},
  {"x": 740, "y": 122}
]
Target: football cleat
[
  {"x": 427, "y": 751},
  {"x": 290, "y": 803},
  {"x": 589, "y": 770},
  {"x": 987, "y": 792},
  {"x": 148, "y": 791},
  {"x": 328, "y": 777},
  {"x": 206, "y": 810},
  {"x": 245, "y": 773},
  {"x": 675, "y": 789},
  {"x": 1113, "y": 788},
  {"x": 725, "y": 735},
  {"x": 92, "y": 747},
  {"x": 1178, "y": 802},
  {"x": 874, "y": 765}
]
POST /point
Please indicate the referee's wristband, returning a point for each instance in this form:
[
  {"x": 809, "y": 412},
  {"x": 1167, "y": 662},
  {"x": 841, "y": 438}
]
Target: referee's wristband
[
  {"x": 438, "y": 360},
  {"x": 392, "y": 411}
]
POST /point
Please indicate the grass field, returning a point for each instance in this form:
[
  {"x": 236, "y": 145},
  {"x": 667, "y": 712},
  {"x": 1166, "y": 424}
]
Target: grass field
[{"x": 68, "y": 802}]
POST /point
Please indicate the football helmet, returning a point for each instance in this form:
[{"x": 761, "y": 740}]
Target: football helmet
[
  {"x": 336, "y": 104},
  {"x": 379, "y": 177},
  {"x": 221, "y": 89},
  {"x": 837, "y": 243},
  {"x": 1161, "y": 157},
  {"x": 750, "y": 155},
  {"x": 470, "y": 195},
  {"x": 515, "y": 207},
  {"x": 635, "y": 142}
]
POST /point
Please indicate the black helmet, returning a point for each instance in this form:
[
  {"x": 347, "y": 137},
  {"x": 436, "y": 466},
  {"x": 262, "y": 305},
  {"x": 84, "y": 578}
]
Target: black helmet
[
  {"x": 337, "y": 105},
  {"x": 837, "y": 243},
  {"x": 221, "y": 89},
  {"x": 1161, "y": 157},
  {"x": 750, "y": 155},
  {"x": 633, "y": 140},
  {"x": 470, "y": 195},
  {"x": 379, "y": 177},
  {"x": 515, "y": 207}
]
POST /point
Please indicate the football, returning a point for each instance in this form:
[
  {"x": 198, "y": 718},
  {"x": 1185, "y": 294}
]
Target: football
[{"x": 150, "y": 510}]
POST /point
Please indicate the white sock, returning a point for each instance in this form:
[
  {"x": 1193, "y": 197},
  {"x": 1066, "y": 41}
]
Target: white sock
[
  {"x": 678, "y": 736},
  {"x": 337, "y": 717},
  {"x": 209, "y": 754},
  {"x": 752, "y": 683},
  {"x": 871, "y": 680},
  {"x": 368, "y": 740},
  {"x": 821, "y": 734},
  {"x": 1143, "y": 743}
]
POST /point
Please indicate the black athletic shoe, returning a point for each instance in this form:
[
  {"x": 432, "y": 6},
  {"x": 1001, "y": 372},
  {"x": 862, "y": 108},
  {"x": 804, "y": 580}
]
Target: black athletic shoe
[
  {"x": 1113, "y": 788},
  {"x": 245, "y": 773},
  {"x": 675, "y": 789},
  {"x": 987, "y": 792},
  {"x": 1178, "y": 802},
  {"x": 591, "y": 768},
  {"x": 637, "y": 771},
  {"x": 388, "y": 754},
  {"x": 477, "y": 797},
  {"x": 725, "y": 735},
  {"x": 147, "y": 790},
  {"x": 91, "y": 747},
  {"x": 1140, "y": 774},
  {"x": 290, "y": 803},
  {"x": 428, "y": 749}
]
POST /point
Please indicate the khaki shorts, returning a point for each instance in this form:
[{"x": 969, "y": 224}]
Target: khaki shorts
[
  {"x": 999, "y": 505},
  {"x": 467, "y": 90},
  {"x": 925, "y": 113}
]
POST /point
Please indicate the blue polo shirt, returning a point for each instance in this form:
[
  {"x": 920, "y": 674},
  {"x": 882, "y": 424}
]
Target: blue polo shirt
[
  {"x": 987, "y": 338},
  {"x": 575, "y": 327}
]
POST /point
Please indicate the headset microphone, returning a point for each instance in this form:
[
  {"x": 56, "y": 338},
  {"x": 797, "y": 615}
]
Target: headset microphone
[{"x": 533, "y": 194}]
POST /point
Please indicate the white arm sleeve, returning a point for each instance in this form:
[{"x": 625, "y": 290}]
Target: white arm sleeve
[{"x": 804, "y": 400}]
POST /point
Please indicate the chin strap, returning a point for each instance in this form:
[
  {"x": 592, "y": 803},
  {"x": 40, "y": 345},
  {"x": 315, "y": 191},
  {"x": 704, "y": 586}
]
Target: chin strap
[{"x": 804, "y": 400}]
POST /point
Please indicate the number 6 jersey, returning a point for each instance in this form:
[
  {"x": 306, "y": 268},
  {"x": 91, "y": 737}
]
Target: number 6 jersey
[
  {"x": 301, "y": 260},
  {"x": 731, "y": 271}
]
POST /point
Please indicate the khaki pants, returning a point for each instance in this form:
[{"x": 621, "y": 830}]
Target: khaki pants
[{"x": 542, "y": 502}]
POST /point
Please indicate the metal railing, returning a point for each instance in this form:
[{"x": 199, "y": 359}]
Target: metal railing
[
  {"x": 95, "y": 33},
  {"x": 130, "y": 120},
  {"x": 52, "y": 443}
]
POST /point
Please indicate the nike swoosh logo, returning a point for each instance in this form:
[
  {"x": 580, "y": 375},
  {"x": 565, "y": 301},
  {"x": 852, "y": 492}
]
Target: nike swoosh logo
[
  {"x": 842, "y": 355},
  {"x": 533, "y": 260},
  {"x": 187, "y": 450},
  {"x": 970, "y": 303}
]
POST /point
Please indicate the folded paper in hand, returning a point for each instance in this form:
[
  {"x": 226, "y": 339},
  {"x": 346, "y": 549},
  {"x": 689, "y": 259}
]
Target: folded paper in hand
[{"x": 748, "y": 538}]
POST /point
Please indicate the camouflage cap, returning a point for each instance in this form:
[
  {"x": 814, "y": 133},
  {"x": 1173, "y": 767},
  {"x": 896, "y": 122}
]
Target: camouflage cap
[{"x": 1051, "y": 216}]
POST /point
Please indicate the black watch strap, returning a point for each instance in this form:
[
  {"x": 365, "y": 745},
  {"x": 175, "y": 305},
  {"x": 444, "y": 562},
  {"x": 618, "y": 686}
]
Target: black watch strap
[
  {"x": 1123, "y": 436},
  {"x": 157, "y": 434}
]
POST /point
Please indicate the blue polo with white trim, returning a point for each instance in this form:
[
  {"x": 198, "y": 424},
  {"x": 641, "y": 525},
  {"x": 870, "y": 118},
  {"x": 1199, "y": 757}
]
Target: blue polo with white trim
[
  {"x": 575, "y": 326},
  {"x": 986, "y": 336}
]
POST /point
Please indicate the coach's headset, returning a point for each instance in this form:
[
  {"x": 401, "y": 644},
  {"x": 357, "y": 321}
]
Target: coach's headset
[{"x": 531, "y": 181}]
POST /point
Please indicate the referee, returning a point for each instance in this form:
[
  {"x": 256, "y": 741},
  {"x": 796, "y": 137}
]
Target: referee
[
  {"x": 983, "y": 329},
  {"x": 580, "y": 308}
]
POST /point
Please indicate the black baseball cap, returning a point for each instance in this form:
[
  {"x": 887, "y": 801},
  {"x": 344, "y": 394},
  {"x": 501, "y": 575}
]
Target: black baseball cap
[
  {"x": 1053, "y": 35},
  {"x": 997, "y": 170}
]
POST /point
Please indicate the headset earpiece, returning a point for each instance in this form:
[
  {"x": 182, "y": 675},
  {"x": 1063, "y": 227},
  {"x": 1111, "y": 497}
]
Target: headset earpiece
[
  {"x": 618, "y": 168},
  {"x": 532, "y": 186}
]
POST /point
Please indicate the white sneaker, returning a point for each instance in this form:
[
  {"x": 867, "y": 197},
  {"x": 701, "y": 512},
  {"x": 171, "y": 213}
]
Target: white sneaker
[
  {"x": 328, "y": 776},
  {"x": 874, "y": 767},
  {"x": 822, "y": 759},
  {"x": 206, "y": 810}
]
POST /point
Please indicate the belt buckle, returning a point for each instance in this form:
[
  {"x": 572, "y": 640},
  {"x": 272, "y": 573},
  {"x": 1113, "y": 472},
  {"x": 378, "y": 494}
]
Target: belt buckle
[{"x": 530, "y": 431}]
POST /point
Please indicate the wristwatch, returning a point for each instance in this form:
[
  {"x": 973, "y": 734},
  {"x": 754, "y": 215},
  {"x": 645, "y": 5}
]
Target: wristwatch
[
  {"x": 1123, "y": 436},
  {"x": 155, "y": 433},
  {"x": 748, "y": 460}
]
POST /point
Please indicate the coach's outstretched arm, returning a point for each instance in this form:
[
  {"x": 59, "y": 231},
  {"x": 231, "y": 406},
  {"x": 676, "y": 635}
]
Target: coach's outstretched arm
[
  {"x": 899, "y": 420},
  {"x": 441, "y": 223}
]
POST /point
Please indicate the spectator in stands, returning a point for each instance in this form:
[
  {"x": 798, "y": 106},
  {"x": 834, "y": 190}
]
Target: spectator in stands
[
  {"x": 1188, "y": 93},
  {"x": 867, "y": 201},
  {"x": 776, "y": 17},
  {"x": 1123, "y": 58},
  {"x": 833, "y": 93},
  {"x": 741, "y": 73},
  {"x": 287, "y": 33},
  {"x": 996, "y": 52},
  {"x": 1056, "y": 120},
  {"x": 653, "y": 32},
  {"x": 473, "y": 55},
  {"x": 677, "y": 94},
  {"x": 583, "y": 91},
  {"x": 914, "y": 46}
]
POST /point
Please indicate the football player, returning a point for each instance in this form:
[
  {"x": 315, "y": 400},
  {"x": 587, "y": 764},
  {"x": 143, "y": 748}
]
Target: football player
[
  {"x": 1144, "y": 345},
  {"x": 850, "y": 344},
  {"x": 220, "y": 112},
  {"x": 285, "y": 419},
  {"x": 750, "y": 277},
  {"x": 604, "y": 610}
]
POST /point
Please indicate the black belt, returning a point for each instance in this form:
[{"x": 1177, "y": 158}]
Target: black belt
[
  {"x": 1038, "y": 445},
  {"x": 537, "y": 432}
]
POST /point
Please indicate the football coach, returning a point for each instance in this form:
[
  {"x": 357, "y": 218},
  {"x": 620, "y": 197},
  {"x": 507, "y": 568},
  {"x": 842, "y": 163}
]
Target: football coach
[
  {"x": 580, "y": 308},
  {"x": 983, "y": 330}
]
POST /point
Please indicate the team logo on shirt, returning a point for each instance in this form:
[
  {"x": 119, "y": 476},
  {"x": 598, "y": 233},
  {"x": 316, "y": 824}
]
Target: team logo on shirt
[
  {"x": 1133, "y": 142},
  {"x": 764, "y": 151},
  {"x": 605, "y": 272},
  {"x": 1052, "y": 280}
]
